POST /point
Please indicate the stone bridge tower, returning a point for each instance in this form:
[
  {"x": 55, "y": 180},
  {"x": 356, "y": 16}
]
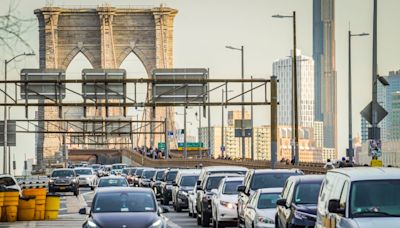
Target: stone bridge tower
[{"x": 106, "y": 36}]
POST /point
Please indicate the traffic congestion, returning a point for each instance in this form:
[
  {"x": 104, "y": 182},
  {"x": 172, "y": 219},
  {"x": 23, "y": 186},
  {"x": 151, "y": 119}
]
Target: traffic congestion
[{"x": 234, "y": 196}]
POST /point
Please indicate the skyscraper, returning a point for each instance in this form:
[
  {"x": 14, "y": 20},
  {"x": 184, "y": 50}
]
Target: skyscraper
[
  {"x": 325, "y": 69},
  {"x": 282, "y": 68}
]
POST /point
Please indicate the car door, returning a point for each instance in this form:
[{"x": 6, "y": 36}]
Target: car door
[
  {"x": 287, "y": 211},
  {"x": 250, "y": 210},
  {"x": 281, "y": 209},
  {"x": 242, "y": 199},
  {"x": 341, "y": 218}
]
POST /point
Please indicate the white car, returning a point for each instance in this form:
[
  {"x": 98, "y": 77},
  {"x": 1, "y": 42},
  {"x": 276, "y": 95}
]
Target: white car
[
  {"x": 260, "y": 211},
  {"x": 9, "y": 182},
  {"x": 192, "y": 202},
  {"x": 117, "y": 168},
  {"x": 87, "y": 177},
  {"x": 224, "y": 201}
]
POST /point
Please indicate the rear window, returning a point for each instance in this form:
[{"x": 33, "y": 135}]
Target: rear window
[
  {"x": 159, "y": 175},
  {"x": 227, "y": 171},
  {"x": 267, "y": 200},
  {"x": 63, "y": 173},
  {"x": 7, "y": 181},
  {"x": 270, "y": 180},
  {"x": 139, "y": 172},
  {"x": 171, "y": 175},
  {"x": 307, "y": 193},
  {"x": 213, "y": 182},
  {"x": 230, "y": 187},
  {"x": 189, "y": 181}
]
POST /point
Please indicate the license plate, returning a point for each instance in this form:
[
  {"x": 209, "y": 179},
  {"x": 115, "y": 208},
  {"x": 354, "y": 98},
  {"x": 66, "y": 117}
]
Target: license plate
[{"x": 62, "y": 188}]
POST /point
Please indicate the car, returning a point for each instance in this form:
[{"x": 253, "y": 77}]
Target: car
[
  {"x": 138, "y": 175},
  {"x": 358, "y": 197},
  {"x": 112, "y": 181},
  {"x": 124, "y": 207},
  {"x": 298, "y": 204},
  {"x": 87, "y": 177},
  {"x": 9, "y": 183},
  {"x": 144, "y": 181},
  {"x": 224, "y": 202},
  {"x": 260, "y": 211},
  {"x": 166, "y": 185},
  {"x": 107, "y": 170},
  {"x": 192, "y": 202},
  {"x": 185, "y": 180},
  {"x": 96, "y": 168},
  {"x": 64, "y": 180},
  {"x": 261, "y": 178},
  {"x": 130, "y": 176},
  {"x": 117, "y": 168},
  {"x": 205, "y": 194},
  {"x": 155, "y": 181}
]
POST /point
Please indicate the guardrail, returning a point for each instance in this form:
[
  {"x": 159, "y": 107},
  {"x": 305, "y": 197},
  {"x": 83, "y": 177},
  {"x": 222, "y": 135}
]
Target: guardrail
[
  {"x": 33, "y": 182},
  {"x": 308, "y": 168}
]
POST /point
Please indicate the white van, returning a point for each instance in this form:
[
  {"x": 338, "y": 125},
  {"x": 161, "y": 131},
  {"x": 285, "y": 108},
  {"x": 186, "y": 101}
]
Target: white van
[{"x": 366, "y": 197}]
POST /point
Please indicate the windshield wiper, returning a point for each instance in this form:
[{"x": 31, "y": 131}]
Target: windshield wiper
[{"x": 376, "y": 213}]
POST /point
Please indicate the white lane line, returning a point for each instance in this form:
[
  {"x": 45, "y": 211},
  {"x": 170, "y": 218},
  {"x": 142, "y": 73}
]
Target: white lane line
[{"x": 170, "y": 223}]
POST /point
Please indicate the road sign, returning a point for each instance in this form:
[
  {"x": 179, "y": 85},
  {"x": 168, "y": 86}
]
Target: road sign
[
  {"x": 170, "y": 134},
  {"x": 222, "y": 148},
  {"x": 375, "y": 148},
  {"x": 376, "y": 163},
  {"x": 247, "y": 128},
  {"x": 367, "y": 112},
  {"x": 35, "y": 88},
  {"x": 11, "y": 133},
  {"x": 190, "y": 145},
  {"x": 103, "y": 90},
  {"x": 161, "y": 146},
  {"x": 180, "y": 91}
]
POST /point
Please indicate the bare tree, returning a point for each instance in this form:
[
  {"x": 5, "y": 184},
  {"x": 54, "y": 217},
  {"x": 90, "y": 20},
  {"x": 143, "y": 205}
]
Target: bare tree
[{"x": 13, "y": 27}]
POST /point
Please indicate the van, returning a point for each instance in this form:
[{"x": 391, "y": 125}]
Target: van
[{"x": 359, "y": 197}]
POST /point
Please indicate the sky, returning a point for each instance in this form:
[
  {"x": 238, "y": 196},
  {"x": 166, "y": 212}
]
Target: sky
[{"x": 203, "y": 28}]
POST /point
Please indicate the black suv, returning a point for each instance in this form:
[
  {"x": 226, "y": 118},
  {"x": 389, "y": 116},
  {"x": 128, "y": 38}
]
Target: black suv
[
  {"x": 298, "y": 204},
  {"x": 261, "y": 178},
  {"x": 166, "y": 185},
  {"x": 64, "y": 180},
  {"x": 155, "y": 182}
]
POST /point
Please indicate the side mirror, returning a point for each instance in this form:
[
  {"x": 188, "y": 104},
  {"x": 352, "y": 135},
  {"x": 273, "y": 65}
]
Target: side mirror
[
  {"x": 49, "y": 176},
  {"x": 241, "y": 188},
  {"x": 214, "y": 191},
  {"x": 198, "y": 182},
  {"x": 281, "y": 202},
  {"x": 82, "y": 211},
  {"x": 199, "y": 188},
  {"x": 77, "y": 175},
  {"x": 334, "y": 207},
  {"x": 174, "y": 183},
  {"x": 151, "y": 179}
]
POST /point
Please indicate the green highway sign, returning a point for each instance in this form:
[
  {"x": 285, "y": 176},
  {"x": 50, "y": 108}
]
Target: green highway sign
[{"x": 161, "y": 145}]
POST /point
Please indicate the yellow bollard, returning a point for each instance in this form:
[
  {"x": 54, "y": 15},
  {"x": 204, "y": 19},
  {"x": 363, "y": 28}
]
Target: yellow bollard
[
  {"x": 52, "y": 206},
  {"x": 26, "y": 208},
  {"x": 11, "y": 213}
]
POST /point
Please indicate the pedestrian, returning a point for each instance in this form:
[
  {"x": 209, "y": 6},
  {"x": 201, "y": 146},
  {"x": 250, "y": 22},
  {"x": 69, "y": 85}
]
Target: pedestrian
[
  {"x": 348, "y": 163},
  {"x": 329, "y": 165},
  {"x": 342, "y": 163}
]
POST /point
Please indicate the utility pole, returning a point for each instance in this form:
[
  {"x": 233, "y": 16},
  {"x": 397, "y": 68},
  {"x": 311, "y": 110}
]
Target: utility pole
[
  {"x": 5, "y": 119},
  {"x": 252, "y": 119},
  {"x": 296, "y": 116},
  {"x": 274, "y": 121},
  {"x": 222, "y": 126},
  {"x": 374, "y": 113},
  {"x": 209, "y": 119},
  {"x": 184, "y": 134},
  {"x": 199, "y": 132},
  {"x": 243, "y": 133}
]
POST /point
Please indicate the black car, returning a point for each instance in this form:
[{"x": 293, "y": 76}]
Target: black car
[
  {"x": 155, "y": 181},
  {"x": 64, "y": 180},
  {"x": 146, "y": 176},
  {"x": 298, "y": 204},
  {"x": 181, "y": 186},
  {"x": 124, "y": 207},
  {"x": 166, "y": 185}
]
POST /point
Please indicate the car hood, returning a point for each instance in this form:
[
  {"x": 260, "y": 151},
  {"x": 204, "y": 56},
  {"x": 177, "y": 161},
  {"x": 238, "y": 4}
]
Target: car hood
[
  {"x": 269, "y": 213},
  {"x": 307, "y": 208},
  {"x": 373, "y": 222},
  {"x": 124, "y": 219}
]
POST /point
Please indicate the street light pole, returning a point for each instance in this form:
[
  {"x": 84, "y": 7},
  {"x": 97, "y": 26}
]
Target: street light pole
[
  {"x": 222, "y": 126},
  {"x": 6, "y": 62},
  {"x": 350, "y": 152},
  {"x": 184, "y": 134},
  {"x": 252, "y": 119}
]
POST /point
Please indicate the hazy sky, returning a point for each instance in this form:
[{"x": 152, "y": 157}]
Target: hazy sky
[{"x": 204, "y": 27}]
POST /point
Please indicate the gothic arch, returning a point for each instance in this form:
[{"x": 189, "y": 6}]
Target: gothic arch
[{"x": 69, "y": 57}]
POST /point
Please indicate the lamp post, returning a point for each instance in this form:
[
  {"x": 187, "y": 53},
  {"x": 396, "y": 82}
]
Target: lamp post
[
  {"x": 294, "y": 89},
  {"x": 350, "y": 151},
  {"x": 241, "y": 49},
  {"x": 6, "y": 62}
]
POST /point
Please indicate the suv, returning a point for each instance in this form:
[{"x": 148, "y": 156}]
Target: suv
[
  {"x": 205, "y": 194},
  {"x": 183, "y": 183},
  {"x": 64, "y": 180},
  {"x": 261, "y": 178},
  {"x": 9, "y": 183},
  {"x": 298, "y": 204},
  {"x": 364, "y": 197},
  {"x": 87, "y": 177},
  {"x": 156, "y": 181},
  {"x": 166, "y": 185}
]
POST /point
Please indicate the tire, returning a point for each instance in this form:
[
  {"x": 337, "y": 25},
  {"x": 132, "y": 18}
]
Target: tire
[
  {"x": 92, "y": 188},
  {"x": 214, "y": 224},
  {"x": 165, "y": 201},
  {"x": 76, "y": 192},
  {"x": 276, "y": 222},
  {"x": 198, "y": 220},
  {"x": 220, "y": 224},
  {"x": 190, "y": 214},
  {"x": 178, "y": 208},
  {"x": 205, "y": 220}
]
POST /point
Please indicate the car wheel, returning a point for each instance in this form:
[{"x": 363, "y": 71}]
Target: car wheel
[
  {"x": 178, "y": 208},
  {"x": 165, "y": 201},
  {"x": 205, "y": 220},
  {"x": 198, "y": 220},
  {"x": 76, "y": 192},
  {"x": 220, "y": 224},
  {"x": 214, "y": 224},
  {"x": 92, "y": 188},
  {"x": 276, "y": 222},
  {"x": 190, "y": 213}
]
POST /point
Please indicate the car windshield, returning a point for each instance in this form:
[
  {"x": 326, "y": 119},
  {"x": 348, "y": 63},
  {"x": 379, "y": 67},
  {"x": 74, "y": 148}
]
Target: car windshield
[
  {"x": 148, "y": 174},
  {"x": 95, "y": 167},
  {"x": 125, "y": 171},
  {"x": 159, "y": 175},
  {"x": 307, "y": 193},
  {"x": 132, "y": 171},
  {"x": 267, "y": 200},
  {"x": 213, "y": 182},
  {"x": 118, "y": 166},
  {"x": 124, "y": 202},
  {"x": 110, "y": 182},
  {"x": 379, "y": 198},
  {"x": 269, "y": 180},
  {"x": 139, "y": 172},
  {"x": 171, "y": 175},
  {"x": 242, "y": 172},
  {"x": 230, "y": 187},
  {"x": 83, "y": 171},
  {"x": 7, "y": 181},
  {"x": 63, "y": 173},
  {"x": 189, "y": 181}
]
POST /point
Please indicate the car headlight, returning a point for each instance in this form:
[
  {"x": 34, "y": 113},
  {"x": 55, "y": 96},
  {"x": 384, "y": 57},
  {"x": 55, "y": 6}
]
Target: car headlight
[
  {"x": 74, "y": 180},
  {"x": 265, "y": 220},
  {"x": 51, "y": 181},
  {"x": 156, "y": 224},
  {"x": 227, "y": 204},
  {"x": 90, "y": 224},
  {"x": 303, "y": 215}
]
